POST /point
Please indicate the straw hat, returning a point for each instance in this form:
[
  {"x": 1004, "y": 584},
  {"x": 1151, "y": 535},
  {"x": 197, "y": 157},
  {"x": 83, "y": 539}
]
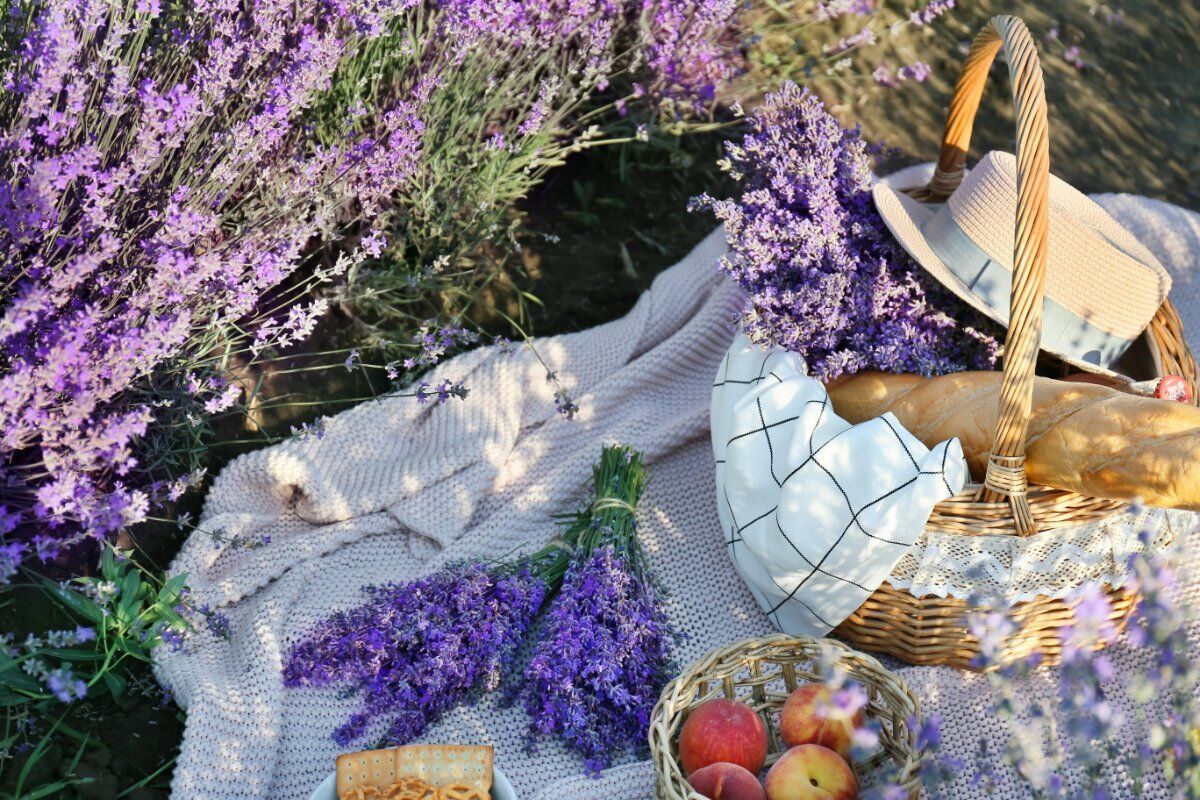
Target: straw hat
[{"x": 1102, "y": 286}]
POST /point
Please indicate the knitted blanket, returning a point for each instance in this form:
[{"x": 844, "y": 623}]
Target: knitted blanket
[{"x": 394, "y": 489}]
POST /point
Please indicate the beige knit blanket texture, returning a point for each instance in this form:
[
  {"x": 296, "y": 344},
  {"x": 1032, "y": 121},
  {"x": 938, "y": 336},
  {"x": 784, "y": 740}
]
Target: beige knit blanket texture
[{"x": 395, "y": 489}]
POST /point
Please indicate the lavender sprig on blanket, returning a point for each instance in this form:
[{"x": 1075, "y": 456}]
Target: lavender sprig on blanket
[
  {"x": 824, "y": 276},
  {"x": 602, "y": 660},
  {"x": 605, "y": 652},
  {"x": 416, "y": 650}
]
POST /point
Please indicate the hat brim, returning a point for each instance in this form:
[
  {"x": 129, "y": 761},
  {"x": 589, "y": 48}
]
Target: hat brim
[{"x": 904, "y": 217}]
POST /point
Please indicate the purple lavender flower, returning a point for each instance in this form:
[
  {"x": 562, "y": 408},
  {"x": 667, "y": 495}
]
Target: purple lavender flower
[
  {"x": 863, "y": 38},
  {"x": 216, "y": 622},
  {"x": 11, "y": 556},
  {"x": 692, "y": 47},
  {"x": 435, "y": 341},
  {"x": 413, "y": 651},
  {"x": 824, "y": 276},
  {"x": 882, "y": 75},
  {"x": 1073, "y": 55},
  {"x": 930, "y": 12},
  {"x": 441, "y": 393},
  {"x": 834, "y": 9},
  {"x": 63, "y": 684},
  {"x": 149, "y": 216},
  {"x": 564, "y": 404},
  {"x": 917, "y": 71},
  {"x": 601, "y": 660}
]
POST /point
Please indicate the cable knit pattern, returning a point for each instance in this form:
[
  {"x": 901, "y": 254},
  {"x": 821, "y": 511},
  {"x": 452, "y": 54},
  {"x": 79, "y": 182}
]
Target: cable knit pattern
[{"x": 395, "y": 489}]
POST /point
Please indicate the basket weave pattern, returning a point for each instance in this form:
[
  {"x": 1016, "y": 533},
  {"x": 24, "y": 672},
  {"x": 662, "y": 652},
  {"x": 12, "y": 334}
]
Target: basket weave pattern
[
  {"x": 762, "y": 673},
  {"x": 933, "y": 630}
]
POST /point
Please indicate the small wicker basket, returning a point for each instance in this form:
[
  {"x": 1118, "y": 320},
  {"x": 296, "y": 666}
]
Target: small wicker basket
[
  {"x": 933, "y": 630},
  {"x": 762, "y": 673}
]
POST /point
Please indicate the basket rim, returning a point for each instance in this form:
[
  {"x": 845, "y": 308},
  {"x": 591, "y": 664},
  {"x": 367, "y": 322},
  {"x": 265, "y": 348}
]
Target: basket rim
[
  {"x": 721, "y": 664},
  {"x": 969, "y": 513}
]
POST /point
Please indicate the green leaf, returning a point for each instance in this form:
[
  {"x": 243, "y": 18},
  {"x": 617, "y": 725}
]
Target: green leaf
[
  {"x": 131, "y": 647},
  {"x": 130, "y": 589},
  {"x": 116, "y": 683},
  {"x": 14, "y": 678},
  {"x": 76, "y": 602},
  {"x": 110, "y": 568},
  {"x": 170, "y": 590},
  {"x": 72, "y": 654},
  {"x": 49, "y": 789},
  {"x": 10, "y": 699}
]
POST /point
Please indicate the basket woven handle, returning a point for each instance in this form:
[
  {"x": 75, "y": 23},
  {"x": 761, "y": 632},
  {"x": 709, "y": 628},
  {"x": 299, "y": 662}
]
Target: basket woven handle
[{"x": 1006, "y": 463}]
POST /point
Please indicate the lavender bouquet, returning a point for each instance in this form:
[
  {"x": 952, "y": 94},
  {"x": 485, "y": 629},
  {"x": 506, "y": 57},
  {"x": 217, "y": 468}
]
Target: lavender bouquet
[
  {"x": 415, "y": 650},
  {"x": 823, "y": 274},
  {"x": 604, "y": 652}
]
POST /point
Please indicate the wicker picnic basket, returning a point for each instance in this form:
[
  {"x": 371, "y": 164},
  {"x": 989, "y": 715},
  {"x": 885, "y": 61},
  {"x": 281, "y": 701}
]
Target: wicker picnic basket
[
  {"x": 762, "y": 673},
  {"x": 932, "y": 629}
]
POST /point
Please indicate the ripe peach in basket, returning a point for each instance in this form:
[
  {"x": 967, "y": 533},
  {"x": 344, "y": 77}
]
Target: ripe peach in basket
[
  {"x": 724, "y": 781},
  {"x": 810, "y": 717},
  {"x": 811, "y": 772},
  {"x": 722, "y": 730}
]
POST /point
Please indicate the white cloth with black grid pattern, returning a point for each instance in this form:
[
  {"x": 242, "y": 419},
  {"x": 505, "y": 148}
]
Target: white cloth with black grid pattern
[{"x": 815, "y": 511}]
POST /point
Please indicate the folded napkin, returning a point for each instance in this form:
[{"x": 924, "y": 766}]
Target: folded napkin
[{"x": 815, "y": 512}]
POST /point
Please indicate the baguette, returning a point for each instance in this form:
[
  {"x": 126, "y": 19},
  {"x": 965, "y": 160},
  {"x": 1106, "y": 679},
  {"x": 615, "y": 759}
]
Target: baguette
[{"x": 1082, "y": 437}]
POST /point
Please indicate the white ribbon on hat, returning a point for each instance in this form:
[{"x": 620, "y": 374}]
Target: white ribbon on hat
[{"x": 1062, "y": 329}]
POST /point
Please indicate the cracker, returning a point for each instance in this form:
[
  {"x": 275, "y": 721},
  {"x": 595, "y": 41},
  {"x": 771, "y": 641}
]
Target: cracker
[
  {"x": 411, "y": 789},
  {"x": 370, "y": 769},
  {"x": 362, "y": 793},
  {"x": 372, "y": 774},
  {"x": 459, "y": 791},
  {"x": 445, "y": 765}
]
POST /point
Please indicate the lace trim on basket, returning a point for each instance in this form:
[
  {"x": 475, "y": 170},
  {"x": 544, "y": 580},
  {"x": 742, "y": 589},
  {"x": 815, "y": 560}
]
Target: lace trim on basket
[{"x": 1049, "y": 564}]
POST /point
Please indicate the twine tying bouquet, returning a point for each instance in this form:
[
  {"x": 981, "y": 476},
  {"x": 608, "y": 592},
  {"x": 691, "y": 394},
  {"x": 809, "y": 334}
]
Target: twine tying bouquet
[{"x": 415, "y": 650}]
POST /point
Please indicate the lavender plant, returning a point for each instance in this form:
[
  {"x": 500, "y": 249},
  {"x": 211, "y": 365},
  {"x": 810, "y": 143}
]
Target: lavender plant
[
  {"x": 158, "y": 193},
  {"x": 604, "y": 653},
  {"x": 823, "y": 275},
  {"x": 520, "y": 86},
  {"x": 840, "y": 45},
  {"x": 169, "y": 168},
  {"x": 117, "y": 618}
]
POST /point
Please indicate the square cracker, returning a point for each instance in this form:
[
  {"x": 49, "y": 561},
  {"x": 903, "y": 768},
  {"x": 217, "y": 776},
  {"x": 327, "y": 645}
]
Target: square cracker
[
  {"x": 443, "y": 765},
  {"x": 440, "y": 765},
  {"x": 370, "y": 768}
]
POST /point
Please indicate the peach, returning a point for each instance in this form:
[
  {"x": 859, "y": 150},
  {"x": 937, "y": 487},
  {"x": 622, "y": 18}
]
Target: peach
[
  {"x": 807, "y": 718},
  {"x": 725, "y": 781},
  {"x": 722, "y": 730},
  {"x": 811, "y": 772}
]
